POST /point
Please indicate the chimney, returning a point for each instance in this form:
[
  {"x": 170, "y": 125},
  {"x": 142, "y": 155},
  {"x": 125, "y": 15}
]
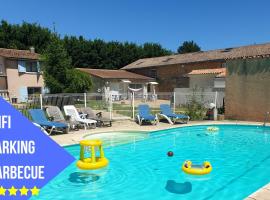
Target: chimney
[{"x": 32, "y": 49}]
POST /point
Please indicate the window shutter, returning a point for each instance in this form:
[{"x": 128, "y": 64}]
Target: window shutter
[
  {"x": 45, "y": 90},
  {"x": 21, "y": 66},
  {"x": 38, "y": 67},
  {"x": 23, "y": 94}
]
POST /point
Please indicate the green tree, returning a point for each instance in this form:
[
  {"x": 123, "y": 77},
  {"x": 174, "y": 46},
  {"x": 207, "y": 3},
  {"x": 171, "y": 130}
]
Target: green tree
[
  {"x": 24, "y": 36},
  {"x": 59, "y": 74},
  {"x": 154, "y": 50},
  {"x": 79, "y": 82},
  {"x": 82, "y": 52},
  {"x": 188, "y": 47},
  {"x": 109, "y": 55}
]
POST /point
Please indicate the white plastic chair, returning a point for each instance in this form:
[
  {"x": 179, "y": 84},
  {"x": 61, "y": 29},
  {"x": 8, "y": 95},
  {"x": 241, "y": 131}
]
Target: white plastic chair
[{"x": 71, "y": 111}]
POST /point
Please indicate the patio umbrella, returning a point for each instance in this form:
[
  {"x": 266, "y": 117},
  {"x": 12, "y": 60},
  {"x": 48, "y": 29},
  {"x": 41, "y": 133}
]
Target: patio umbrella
[{"x": 133, "y": 90}]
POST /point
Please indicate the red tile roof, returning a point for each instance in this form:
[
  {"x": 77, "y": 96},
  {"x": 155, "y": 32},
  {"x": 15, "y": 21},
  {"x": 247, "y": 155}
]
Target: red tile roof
[
  {"x": 220, "y": 72},
  {"x": 251, "y": 51},
  {"x": 114, "y": 74},
  {"x": 14, "y": 53}
]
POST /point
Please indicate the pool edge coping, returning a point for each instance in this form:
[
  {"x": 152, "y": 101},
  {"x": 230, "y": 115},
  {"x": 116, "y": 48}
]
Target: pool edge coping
[{"x": 182, "y": 126}]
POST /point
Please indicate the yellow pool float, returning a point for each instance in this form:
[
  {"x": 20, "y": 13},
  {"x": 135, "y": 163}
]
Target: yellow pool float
[
  {"x": 93, "y": 162},
  {"x": 212, "y": 129},
  {"x": 203, "y": 169}
]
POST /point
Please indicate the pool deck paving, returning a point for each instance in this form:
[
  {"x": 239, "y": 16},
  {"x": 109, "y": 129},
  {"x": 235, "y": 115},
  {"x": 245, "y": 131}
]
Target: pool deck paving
[
  {"x": 128, "y": 125},
  {"x": 261, "y": 194}
]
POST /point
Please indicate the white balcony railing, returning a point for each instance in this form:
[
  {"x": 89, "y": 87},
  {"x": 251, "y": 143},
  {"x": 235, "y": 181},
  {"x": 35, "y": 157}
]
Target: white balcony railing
[{"x": 4, "y": 94}]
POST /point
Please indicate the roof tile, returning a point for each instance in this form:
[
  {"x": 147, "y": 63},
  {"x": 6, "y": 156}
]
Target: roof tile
[
  {"x": 260, "y": 50},
  {"x": 114, "y": 74},
  {"x": 220, "y": 72},
  {"x": 207, "y": 71},
  {"x": 14, "y": 53}
]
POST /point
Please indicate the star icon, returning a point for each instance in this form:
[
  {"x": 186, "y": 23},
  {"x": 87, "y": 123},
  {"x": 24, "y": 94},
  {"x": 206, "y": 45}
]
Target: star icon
[
  {"x": 12, "y": 191},
  {"x": 24, "y": 191},
  {"x": 2, "y": 191},
  {"x": 35, "y": 191}
]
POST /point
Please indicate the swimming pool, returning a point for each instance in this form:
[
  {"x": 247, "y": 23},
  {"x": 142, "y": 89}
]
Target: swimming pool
[{"x": 240, "y": 156}]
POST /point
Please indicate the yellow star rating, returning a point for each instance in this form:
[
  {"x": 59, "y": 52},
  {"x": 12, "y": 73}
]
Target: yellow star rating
[
  {"x": 2, "y": 191},
  {"x": 12, "y": 191},
  {"x": 24, "y": 191},
  {"x": 35, "y": 191}
]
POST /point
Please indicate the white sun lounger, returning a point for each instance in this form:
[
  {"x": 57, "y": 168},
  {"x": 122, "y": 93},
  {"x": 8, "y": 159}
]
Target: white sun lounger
[
  {"x": 41, "y": 128},
  {"x": 71, "y": 111}
]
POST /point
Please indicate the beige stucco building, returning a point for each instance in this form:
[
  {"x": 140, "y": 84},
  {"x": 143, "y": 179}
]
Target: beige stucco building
[
  {"x": 248, "y": 89},
  {"x": 212, "y": 79},
  {"x": 20, "y": 74},
  {"x": 171, "y": 71},
  {"x": 246, "y": 84},
  {"x": 118, "y": 82}
]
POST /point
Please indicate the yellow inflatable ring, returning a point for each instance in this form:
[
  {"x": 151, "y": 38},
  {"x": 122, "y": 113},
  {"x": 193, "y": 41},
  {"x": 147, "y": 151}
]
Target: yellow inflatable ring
[
  {"x": 203, "y": 169},
  {"x": 87, "y": 163}
]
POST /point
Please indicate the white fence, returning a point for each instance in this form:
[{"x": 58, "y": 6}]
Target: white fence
[
  {"x": 205, "y": 98},
  {"x": 124, "y": 106}
]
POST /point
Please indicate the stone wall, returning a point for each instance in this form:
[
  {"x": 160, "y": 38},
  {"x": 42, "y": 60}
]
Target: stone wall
[{"x": 174, "y": 76}]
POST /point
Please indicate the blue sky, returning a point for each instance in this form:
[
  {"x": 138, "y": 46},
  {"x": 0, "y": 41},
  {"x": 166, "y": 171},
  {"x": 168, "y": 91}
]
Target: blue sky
[{"x": 211, "y": 23}]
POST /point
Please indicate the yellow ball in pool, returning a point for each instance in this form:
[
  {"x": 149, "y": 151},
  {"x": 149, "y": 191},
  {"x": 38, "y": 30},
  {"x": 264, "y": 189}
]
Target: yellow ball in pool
[{"x": 212, "y": 128}]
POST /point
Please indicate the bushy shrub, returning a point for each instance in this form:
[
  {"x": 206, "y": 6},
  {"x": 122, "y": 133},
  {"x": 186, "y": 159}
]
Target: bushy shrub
[
  {"x": 195, "y": 107},
  {"x": 221, "y": 110}
]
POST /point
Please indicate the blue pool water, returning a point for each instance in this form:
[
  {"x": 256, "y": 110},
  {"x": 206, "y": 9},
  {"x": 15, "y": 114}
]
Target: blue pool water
[{"x": 240, "y": 156}]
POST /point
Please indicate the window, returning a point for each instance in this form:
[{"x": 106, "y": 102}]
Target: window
[
  {"x": 33, "y": 90},
  {"x": 31, "y": 66},
  {"x": 148, "y": 87},
  {"x": 28, "y": 66},
  {"x": 3, "y": 83},
  {"x": 226, "y": 50},
  {"x": 153, "y": 73},
  {"x": 182, "y": 82},
  {"x": 135, "y": 86},
  {"x": 1, "y": 69},
  {"x": 167, "y": 59},
  {"x": 139, "y": 63},
  {"x": 219, "y": 83}
]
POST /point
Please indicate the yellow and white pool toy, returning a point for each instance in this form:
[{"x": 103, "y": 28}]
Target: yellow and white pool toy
[
  {"x": 212, "y": 129},
  {"x": 93, "y": 162},
  {"x": 203, "y": 169}
]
